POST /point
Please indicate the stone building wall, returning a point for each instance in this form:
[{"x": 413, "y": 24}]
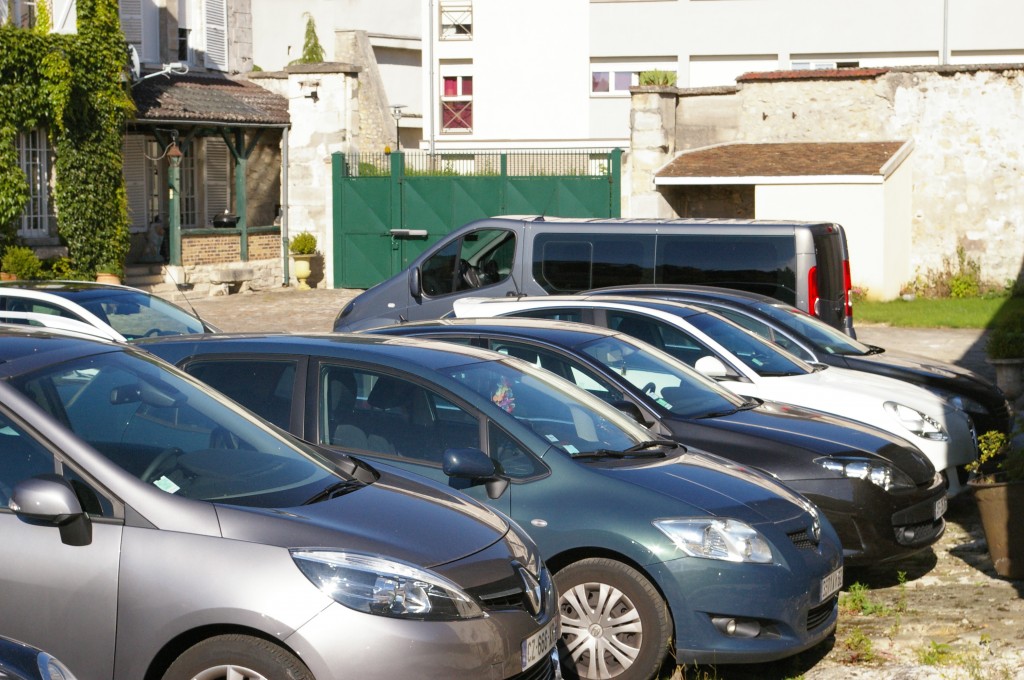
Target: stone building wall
[{"x": 966, "y": 123}]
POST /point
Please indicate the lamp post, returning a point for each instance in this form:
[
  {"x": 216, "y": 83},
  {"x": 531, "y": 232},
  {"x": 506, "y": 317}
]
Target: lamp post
[
  {"x": 396, "y": 113},
  {"x": 174, "y": 209}
]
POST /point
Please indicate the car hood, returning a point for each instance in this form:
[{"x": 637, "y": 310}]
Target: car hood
[
  {"x": 712, "y": 486},
  {"x": 396, "y": 516},
  {"x": 786, "y": 439},
  {"x": 927, "y": 369}
]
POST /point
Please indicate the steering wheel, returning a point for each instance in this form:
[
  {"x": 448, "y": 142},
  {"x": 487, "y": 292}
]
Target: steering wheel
[
  {"x": 221, "y": 438},
  {"x": 650, "y": 388},
  {"x": 152, "y": 332},
  {"x": 158, "y": 464},
  {"x": 470, "y": 276}
]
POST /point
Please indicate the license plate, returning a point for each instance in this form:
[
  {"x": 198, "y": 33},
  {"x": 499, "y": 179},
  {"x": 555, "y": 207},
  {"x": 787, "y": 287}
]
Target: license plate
[
  {"x": 540, "y": 643},
  {"x": 940, "y": 507},
  {"x": 831, "y": 584}
]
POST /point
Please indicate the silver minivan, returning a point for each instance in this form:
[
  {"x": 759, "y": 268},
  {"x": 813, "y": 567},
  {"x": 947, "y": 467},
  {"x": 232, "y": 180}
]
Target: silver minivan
[
  {"x": 152, "y": 529},
  {"x": 805, "y": 264}
]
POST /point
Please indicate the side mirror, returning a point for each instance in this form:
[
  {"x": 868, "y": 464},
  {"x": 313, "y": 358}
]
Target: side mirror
[
  {"x": 631, "y": 410},
  {"x": 712, "y": 367},
  {"x": 49, "y": 500},
  {"x": 415, "y": 286},
  {"x": 474, "y": 464}
]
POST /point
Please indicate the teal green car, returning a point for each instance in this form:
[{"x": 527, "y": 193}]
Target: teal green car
[{"x": 655, "y": 548}]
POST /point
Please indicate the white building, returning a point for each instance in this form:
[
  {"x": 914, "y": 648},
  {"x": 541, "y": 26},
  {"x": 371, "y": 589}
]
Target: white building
[{"x": 537, "y": 73}]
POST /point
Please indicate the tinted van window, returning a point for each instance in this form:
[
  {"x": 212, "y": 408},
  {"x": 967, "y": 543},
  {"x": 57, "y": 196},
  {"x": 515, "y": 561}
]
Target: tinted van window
[
  {"x": 565, "y": 263},
  {"x": 759, "y": 264}
]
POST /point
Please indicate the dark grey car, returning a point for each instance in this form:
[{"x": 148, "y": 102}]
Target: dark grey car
[{"x": 153, "y": 530}]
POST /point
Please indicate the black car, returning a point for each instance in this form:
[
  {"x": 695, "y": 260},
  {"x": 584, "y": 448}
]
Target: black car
[
  {"x": 19, "y": 661},
  {"x": 817, "y": 342},
  {"x": 880, "y": 492}
]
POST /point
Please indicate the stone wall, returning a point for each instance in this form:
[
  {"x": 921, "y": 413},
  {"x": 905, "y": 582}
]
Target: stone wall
[{"x": 966, "y": 123}]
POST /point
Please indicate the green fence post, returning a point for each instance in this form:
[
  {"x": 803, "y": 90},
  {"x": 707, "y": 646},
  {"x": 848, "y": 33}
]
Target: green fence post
[
  {"x": 615, "y": 182},
  {"x": 503, "y": 185},
  {"x": 397, "y": 173},
  {"x": 339, "y": 170}
]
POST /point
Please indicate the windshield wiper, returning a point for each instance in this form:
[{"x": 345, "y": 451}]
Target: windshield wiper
[
  {"x": 874, "y": 349},
  {"x": 337, "y": 489},
  {"x": 636, "y": 451}
]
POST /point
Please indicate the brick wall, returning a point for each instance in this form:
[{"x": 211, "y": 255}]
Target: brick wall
[{"x": 224, "y": 248}]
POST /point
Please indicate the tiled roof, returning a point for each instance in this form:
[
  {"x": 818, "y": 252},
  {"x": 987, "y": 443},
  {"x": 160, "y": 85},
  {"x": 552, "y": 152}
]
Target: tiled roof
[
  {"x": 194, "y": 98},
  {"x": 783, "y": 160},
  {"x": 813, "y": 74}
]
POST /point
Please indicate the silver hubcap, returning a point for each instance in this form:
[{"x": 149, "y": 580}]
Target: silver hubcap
[
  {"x": 229, "y": 672},
  {"x": 601, "y": 629}
]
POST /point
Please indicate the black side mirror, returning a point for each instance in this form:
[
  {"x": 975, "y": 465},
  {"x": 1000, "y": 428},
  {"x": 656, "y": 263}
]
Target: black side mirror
[
  {"x": 474, "y": 464},
  {"x": 415, "y": 286},
  {"x": 49, "y": 500},
  {"x": 631, "y": 410}
]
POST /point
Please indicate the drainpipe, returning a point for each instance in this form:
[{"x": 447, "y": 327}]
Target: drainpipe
[
  {"x": 945, "y": 32},
  {"x": 284, "y": 206}
]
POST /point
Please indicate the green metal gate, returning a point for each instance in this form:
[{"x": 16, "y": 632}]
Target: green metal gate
[{"x": 389, "y": 208}]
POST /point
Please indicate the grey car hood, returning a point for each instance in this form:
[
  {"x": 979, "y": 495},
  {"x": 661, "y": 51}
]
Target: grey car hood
[
  {"x": 713, "y": 485},
  {"x": 388, "y": 517}
]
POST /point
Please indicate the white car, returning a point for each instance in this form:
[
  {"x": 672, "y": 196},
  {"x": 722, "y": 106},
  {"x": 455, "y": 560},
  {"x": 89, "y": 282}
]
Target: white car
[
  {"x": 106, "y": 311},
  {"x": 752, "y": 367}
]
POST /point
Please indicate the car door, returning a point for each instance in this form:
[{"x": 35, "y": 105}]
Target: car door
[{"x": 60, "y": 597}]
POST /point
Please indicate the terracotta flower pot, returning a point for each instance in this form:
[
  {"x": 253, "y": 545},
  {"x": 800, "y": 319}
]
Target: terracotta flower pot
[{"x": 1001, "y": 505}]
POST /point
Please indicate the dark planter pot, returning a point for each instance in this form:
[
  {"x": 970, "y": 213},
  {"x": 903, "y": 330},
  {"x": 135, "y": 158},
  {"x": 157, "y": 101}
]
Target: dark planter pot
[{"x": 1001, "y": 507}]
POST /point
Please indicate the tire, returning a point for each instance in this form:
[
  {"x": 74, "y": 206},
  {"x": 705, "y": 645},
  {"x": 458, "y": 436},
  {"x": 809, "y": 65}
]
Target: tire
[
  {"x": 593, "y": 592},
  {"x": 238, "y": 657}
]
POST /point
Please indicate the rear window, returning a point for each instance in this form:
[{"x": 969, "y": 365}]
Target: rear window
[
  {"x": 564, "y": 263},
  {"x": 758, "y": 264},
  {"x": 828, "y": 254}
]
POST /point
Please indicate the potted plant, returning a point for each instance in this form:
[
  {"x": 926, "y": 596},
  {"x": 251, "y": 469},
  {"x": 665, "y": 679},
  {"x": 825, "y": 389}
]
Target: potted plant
[
  {"x": 997, "y": 484},
  {"x": 303, "y": 249},
  {"x": 21, "y": 263},
  {"x": 109, "y": 271},
  {"x": 1005, "y": 350}
]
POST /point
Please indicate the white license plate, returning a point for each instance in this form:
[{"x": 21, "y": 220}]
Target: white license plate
[
  {"x": 831, "y": 584},
  {"x": 940, "y": 507},
  {"x": 540, "y": 643}
]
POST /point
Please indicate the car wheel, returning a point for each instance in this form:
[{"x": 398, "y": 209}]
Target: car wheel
[
  {"x": 237, "y": 657},
  {"x": 615, "y": 623}
]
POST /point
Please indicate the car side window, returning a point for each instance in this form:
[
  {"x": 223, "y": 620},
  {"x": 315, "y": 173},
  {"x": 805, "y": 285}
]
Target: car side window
[
  {"x": 662, "y": 335},
  {"x": 480, "y": 258},
  {"x": 362, "y": 410},
  {"x": 263, "y": 387},
  {"x": 566, "y": 368},
  {"x": 515, "y": 460},
  {"x": 22, "y": 457},
  {"x": 556, "y": 314},
  {"x": 766, "y": 332}
]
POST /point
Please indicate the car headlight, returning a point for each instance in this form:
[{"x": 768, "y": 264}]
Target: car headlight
[
  {"x": 385, "y": 587},
  {"x": 918, "y": 423},
  {"x": 960, "y": 401},
  {"x": 717, "y": 539},
  {"x": 51, "y": 669},
  {"x": 880, "y": 474}
]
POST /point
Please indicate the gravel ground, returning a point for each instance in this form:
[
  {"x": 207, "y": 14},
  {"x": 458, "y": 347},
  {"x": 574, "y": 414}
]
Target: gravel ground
[{"x": 942, "y": 614}]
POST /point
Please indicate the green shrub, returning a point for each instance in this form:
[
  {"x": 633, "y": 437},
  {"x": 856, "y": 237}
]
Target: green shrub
[
  {"x": 1006, "y": 339},
  {"x": 22, "y": 262},
  {"x": 61, "y": 268},
  {"x": 303, "y": 243},
  {"x": 658, "y": 77}
]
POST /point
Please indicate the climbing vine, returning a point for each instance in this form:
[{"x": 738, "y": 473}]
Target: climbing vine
[{"x": 73, "y": 86}]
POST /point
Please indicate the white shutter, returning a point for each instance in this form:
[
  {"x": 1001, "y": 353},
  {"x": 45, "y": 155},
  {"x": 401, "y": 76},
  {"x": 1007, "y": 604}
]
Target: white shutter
[
  {"x": 131, "y": 22},
  {"x": 3, "y": 12},
  {"x": 216, "y": 176},
  {"x": 65, "y": 16},
  {"x": 133, "y": 151},
  {"x": 215, "y": 13}
]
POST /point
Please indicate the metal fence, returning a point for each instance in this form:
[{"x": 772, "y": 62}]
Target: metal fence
[{"x": 484, "y": 163}]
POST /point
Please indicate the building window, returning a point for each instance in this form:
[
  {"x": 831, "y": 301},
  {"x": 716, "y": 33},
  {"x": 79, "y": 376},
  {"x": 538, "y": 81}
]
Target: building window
[
  {"x": 21, "y": 13},
  {"x": 613, "y": 79},
  {"x": 456, "y": 20},
  {"x": 457, "y": 103},
  {"x": 35, "y": 158}
]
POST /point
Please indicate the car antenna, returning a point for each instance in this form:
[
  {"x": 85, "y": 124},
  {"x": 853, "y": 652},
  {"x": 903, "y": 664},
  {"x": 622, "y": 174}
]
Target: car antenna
[{"x": 181, "y": 289}]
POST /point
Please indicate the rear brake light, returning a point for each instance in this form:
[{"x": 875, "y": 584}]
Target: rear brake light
[
  {"x": 847, "y": 288},
  {"x": 812, "y": 291}
]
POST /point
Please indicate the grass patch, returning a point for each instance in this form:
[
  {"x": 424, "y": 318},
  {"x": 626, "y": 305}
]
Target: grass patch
[{"x": 976, "y": 312}]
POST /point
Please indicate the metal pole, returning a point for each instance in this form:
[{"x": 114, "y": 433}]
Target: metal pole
[
  {"x": 174, "y": 208},
  {"x": 284, "y": 208}
]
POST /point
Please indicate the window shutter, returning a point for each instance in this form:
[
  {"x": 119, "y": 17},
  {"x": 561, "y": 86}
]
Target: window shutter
[
  {"x": 131, "y": 22},
  {"x": 216, "y": 15},
  {"x": 133, "y": 150},
  {"x": 3, "y": 12},
  {"x": 65, "y": 18},
  {"x": 218, "y": 198}
]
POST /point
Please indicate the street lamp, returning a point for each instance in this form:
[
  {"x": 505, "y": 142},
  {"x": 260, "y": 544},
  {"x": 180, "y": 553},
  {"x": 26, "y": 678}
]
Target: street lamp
[{"x": 396, "y": 113}]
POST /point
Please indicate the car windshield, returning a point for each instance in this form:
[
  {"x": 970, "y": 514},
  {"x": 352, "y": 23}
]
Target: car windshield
[
  {"x": 664, "y": 380},
  {"x": 555, "y": 409},
  {"x": 136, "y": 315},
  {"x": 759, "y": 355},
  {"x": 170, "y": 432},
  {"x": 830, "y": 339}
]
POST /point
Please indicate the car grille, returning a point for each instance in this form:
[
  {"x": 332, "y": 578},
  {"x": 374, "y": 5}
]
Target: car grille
[
  {"x": 819, "y": 615},
  {"x": 924, "y": 533},
  {"x": 542, "y": 670},
  {"x": 802, "y": 540}
]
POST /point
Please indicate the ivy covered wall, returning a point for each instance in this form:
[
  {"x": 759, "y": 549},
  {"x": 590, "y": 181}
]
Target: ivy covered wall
[{"x": 74, "y": 87}]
